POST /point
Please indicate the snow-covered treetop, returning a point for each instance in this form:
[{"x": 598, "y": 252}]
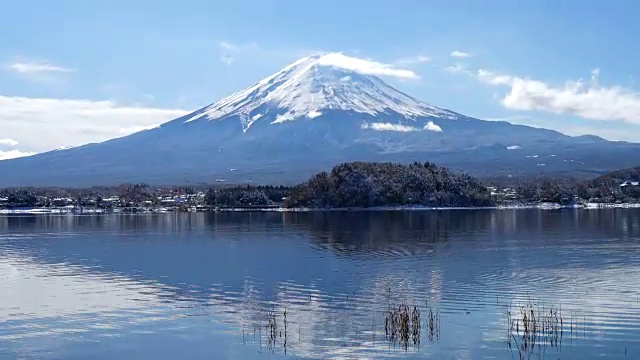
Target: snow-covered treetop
[{"x": 311, "y": 85}]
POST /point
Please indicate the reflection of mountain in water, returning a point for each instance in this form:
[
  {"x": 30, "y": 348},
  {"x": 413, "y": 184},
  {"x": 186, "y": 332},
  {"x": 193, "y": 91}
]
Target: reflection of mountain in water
[
  {"x": 330, "y": 271},
  {"x": 198, "y": 251}
]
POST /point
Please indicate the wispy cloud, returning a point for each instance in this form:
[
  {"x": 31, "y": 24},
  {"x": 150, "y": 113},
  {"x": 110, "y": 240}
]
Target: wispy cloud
[
  {"x": 595, "y": 74},
  {"x": 456, "y": 69},
  {"x": 589, "y": 101},
  {"x": 37, "y": 68},
  {"x": 364, "y": 66},
  {"x": 493, "y": 78},
  {"x": 460, "y": 54},
  {"x": 412, "y": 60},
  {"x": 229, "y": 50},
  {"x": 8, "y": 142},
  {"x": 42, "y": 124}
]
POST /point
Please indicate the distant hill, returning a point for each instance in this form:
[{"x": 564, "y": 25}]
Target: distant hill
[{"x": 620, "y": 176}]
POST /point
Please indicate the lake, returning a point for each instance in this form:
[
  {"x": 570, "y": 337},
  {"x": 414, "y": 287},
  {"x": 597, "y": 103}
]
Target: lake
[{"x": 463, "y": 284}]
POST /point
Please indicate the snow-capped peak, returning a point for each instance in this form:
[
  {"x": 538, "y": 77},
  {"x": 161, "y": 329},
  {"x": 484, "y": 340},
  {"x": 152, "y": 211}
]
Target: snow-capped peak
[{"x": 311, "y": 85}]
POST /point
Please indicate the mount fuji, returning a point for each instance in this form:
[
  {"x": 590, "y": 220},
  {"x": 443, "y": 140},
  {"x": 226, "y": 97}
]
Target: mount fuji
[{"x": 317, "y": 112}]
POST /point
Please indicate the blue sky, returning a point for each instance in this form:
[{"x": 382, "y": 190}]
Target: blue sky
[{"x": 73, "y": 72}]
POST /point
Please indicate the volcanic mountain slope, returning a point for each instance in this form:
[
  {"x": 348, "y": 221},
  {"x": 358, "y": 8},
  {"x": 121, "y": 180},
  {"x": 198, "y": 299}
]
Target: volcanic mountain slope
[{"x": 307, "y": 117}]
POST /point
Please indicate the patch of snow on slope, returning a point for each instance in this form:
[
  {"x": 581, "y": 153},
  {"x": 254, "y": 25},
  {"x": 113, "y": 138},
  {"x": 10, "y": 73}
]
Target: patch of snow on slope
[
  {"x": 513, "y": 147},
  {"x": 282, "y": 118},
  {"x": 432, "y": 127},
  {"x": 317, "y": 84}
]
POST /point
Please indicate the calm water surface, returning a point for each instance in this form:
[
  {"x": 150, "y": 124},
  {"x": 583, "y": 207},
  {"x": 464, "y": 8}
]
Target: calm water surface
[{"x": 217, "y": 286}]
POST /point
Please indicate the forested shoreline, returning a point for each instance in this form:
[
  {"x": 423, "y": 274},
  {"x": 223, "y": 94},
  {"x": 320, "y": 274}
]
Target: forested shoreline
[{"x": 348, "y": 185}]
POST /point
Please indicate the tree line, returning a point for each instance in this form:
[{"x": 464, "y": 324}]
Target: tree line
[
  {"x": 358, "y": 184},
  {"x": 565, "y": 190}
]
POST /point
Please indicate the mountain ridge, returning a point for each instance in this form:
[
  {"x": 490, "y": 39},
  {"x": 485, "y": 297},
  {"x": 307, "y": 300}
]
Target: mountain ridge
[{"x": 313, "y": 114}]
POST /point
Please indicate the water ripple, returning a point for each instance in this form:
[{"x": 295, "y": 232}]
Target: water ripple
[{"x": 203, "y": 284}]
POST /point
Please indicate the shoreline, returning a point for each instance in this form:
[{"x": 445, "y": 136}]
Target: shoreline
[{"x": 69, "y": 211}]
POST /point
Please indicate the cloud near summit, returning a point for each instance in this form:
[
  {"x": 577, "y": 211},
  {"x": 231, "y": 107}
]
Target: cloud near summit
[{"x": 364, "y": 66}]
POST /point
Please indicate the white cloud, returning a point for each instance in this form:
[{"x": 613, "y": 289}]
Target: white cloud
[
  {"x": 595, "y": 74},
  {"x": 456, "y": 69},
  {"x": 431, "y": 126},
  {"x": 227, "y": 46},
  {"x": 41, "y": 124},
  {"x": 229, "y": 50},
  {"x": 413, "y": 60},
  {"x": 12, "y": 154},
  {"x": 8, "y": 142},
  {"x": 37, "y": 68},
  {"x": 365, "y": 66},
  {"x": 590, "y": 102},
  {"x": 493, "y": 78},
  {"x": 389, "y": 127},
  {"x": 460, "y": 54}
]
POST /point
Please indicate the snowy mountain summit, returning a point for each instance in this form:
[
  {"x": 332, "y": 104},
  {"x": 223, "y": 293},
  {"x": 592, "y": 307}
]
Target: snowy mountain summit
[{"x": 316, "y": 84}]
